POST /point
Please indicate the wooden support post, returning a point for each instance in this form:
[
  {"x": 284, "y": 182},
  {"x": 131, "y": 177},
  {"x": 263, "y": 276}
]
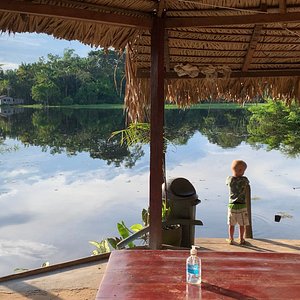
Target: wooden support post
[
  {"x": 249, "y": 233},
  {"x": 156, "y": 132}
]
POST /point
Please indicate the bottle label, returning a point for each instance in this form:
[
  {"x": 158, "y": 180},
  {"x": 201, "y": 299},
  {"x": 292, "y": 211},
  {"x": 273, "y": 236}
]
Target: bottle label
[{"x": 193, "y": 269}]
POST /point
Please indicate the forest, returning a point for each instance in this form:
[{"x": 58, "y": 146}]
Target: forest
[{"x": 96, "y": 79}]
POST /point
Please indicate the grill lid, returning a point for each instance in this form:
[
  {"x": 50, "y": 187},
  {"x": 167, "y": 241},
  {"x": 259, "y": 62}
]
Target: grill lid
[{"x": 181, "y": 187}]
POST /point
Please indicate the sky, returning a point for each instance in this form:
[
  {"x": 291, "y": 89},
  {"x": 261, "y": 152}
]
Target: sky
[{"x": 29, "y": 47}]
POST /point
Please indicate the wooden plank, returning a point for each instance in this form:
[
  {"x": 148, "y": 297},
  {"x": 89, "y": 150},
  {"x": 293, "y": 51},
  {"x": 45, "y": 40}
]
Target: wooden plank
[
  {"x": 263, "y": 18},
  {"x": 55, "y": 267},
  {"x": 75, "y": 14},
  {"x": 269, "y": 73},
  {"x": 161, "y": 8},
  {"x": 257, "y": 31},
  {"x": 252, "y": 245},
  {"x": 160, "y": 274},
  {"x": 252, "y": 47},
  {"x": 156, "y": 131},
  {"x": 282, "y": 6},
  {"x": 167, "y": 51}
]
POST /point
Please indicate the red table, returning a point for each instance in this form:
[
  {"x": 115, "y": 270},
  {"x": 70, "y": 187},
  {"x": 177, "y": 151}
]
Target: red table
[{"x": 160, "y": 274}]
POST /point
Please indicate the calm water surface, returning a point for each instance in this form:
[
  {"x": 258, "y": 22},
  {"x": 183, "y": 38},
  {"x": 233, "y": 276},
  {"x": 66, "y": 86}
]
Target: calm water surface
[{"x": 64, "y": 184}]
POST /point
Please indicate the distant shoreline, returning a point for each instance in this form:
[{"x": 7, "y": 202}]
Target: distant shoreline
[{"x": 167, "y": 106}]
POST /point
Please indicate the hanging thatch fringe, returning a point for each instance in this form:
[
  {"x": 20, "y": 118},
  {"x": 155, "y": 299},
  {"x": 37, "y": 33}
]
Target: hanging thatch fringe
[
  {"x": 185, "y": 92},
  {"x": 137, "y": 94}
]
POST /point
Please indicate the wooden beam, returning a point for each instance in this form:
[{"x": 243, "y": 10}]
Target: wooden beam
[
  {"x": 56, "y": 267},
  {"x": 253, "y": 43},
  {"x": 282, "y": 6},
  {"x": 156, "y": 131},
  {"x": 161, "y": 8},
  {"x": 167, "y": 51},
  {"x": 263, "y": 18},
  {"x": 252, "y": 47},
  {"x": 53, "y": 11},
  {"x": 269, "y": 73},
  {"x": 109, "y": 9}
]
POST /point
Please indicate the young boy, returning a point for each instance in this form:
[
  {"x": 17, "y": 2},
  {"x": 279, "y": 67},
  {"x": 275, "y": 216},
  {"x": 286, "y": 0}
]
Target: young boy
[{"x": 237, "y": 209}]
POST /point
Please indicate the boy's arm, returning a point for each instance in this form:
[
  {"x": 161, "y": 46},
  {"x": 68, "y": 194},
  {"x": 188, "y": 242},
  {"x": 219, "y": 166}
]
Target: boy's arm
[
  {"x": 247, "y": 180},
  {"x": 228, "y": 180}
]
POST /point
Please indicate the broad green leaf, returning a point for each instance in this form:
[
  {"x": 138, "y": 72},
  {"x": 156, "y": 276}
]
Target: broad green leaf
[
  {"x": 123, "y": 230},
  {"x": 136, "y": 227},
  {"x": 113, "y": 242}
]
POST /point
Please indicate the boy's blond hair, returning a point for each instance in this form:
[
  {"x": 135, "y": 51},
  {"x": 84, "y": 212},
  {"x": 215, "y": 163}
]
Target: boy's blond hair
[{"x": 236, "y": 164}]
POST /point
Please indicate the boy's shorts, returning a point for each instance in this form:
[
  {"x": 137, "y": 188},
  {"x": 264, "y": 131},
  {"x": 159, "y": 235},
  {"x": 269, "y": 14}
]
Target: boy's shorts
[{"x": 238, "y": 216}]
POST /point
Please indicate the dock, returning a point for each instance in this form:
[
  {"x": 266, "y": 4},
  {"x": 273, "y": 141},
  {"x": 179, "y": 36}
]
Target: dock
[{"x": 82, "y": 280}]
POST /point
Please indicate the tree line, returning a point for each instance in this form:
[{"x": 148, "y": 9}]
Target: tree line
[{"x": 68, "y": 79}]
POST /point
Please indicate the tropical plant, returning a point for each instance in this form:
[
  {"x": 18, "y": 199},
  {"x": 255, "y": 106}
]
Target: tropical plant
[
  {"x": 135, "y": 133},
  {"x": 108, "y": 244}
]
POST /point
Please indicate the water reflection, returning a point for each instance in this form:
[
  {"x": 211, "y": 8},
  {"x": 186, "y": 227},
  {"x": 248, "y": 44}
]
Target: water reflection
[
  {"x": 85, "y": 130},
  {"x": 68, "y": 184},
  {"x": 193, "y": 292}
]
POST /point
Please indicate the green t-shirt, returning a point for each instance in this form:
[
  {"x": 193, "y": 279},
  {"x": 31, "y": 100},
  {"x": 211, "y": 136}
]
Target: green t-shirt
[{"x": 237, "y": 191}]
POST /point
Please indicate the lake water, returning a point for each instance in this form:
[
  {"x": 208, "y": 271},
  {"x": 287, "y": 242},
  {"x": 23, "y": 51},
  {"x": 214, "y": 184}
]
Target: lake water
[{"x": 63, "y": 183}]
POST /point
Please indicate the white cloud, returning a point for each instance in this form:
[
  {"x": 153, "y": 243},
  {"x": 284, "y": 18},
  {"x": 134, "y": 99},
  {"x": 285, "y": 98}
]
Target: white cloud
[
  {"x": 26, "y": 249},
  {"x": 29, "y": 47},
  {"x": 8, "y": 65}
]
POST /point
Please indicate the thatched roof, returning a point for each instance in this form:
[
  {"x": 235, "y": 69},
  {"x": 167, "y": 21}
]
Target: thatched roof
[{"x": 233, "y": 49}]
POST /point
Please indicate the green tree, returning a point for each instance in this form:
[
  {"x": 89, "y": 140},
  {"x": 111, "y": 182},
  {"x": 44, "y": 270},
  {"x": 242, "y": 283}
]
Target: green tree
[
  {"x": 68, "y": 79},
  {"x": 45, "y": 91},
  {"x": 276, "y": 125}
]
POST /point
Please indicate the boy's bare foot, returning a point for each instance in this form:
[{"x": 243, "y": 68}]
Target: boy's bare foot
[
  {"x": 230, "y": 241},
  {"x": 242, "y": 242}
]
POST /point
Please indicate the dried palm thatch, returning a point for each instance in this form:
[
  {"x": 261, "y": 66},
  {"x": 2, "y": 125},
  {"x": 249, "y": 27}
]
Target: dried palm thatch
[{"x": 238, "y": 50}]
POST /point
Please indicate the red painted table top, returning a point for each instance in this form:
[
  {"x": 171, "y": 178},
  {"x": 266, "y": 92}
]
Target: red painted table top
[{"x": 160, "y": 274}]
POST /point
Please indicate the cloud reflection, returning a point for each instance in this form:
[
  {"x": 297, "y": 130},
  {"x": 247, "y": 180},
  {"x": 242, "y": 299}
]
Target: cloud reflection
[
  {"x": 77, "y": 199},
  {"x": 26, "y": 249}
]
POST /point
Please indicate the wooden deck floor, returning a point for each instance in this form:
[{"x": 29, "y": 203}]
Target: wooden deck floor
[
  {"x": 252, "y": 245},
  {"x": 82, "y": 281}
]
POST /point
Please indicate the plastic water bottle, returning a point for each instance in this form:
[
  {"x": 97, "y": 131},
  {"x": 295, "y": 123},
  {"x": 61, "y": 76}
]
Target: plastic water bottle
[{"x": 193, "y": 267}]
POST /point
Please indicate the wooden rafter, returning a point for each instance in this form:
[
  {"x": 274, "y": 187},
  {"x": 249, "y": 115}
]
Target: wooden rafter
[
  {"x": 253, "y": 43},
  {"x": 263, "y": 18},
  {"x": 265, "y": 74},
  {"x": 161, "y": 8},
  {"x": 76, "y": 14},
  {"x": 282, "y": 6},
  {"x": 109, "y": 9},
  {"x": 69, "y": 13},
  {"x": 167, "y": 51}
]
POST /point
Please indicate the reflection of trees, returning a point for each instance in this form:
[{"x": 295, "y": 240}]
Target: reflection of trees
[
  {"x": 277, "y": 126},
  {"x": 88, "y": 130},
  {"x": 73, "y": 131},
  {"x": 226, "y": 128}
]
